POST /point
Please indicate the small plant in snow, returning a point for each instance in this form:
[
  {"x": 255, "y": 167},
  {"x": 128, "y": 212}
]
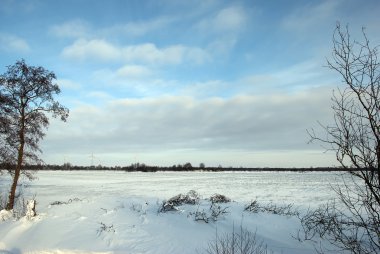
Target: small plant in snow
[
  {"x": 5, "y": 214},
  {"x": 20, "y": 207},
  {"x": 105, "y": 228},
  {"x": 136, "y": 207},
  {"x": 30, "y": 209},
  {"x": 286, "y": 210},
  {"x": 200, "y": 216},
  {"x": 139, "y": 208},
  {"x": 191, "y": 198},
  {"x": 219, "y": 198},
  {"x": 167, "y": 206},
  {"x": 243, "y": 242},
  {"x": 66, "y": 202},
  {"x": 215, "y": 212},
  {"x": 3, "y": 201},
  {"x": 253, "y": 207}
]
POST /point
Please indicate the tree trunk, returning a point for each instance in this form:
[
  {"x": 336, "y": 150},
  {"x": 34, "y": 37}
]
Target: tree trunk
[
  {"x": 378, "y": 165},
  {"x": 12, "y": 193}
]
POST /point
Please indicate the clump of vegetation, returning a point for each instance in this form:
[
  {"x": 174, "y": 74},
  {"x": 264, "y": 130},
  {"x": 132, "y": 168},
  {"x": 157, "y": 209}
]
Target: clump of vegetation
[
  {"x": 66, "y": 202},
  {"x": 139, "y": 208},
  {"x": 242, "y": 242},
  {"x": 105, "y": 228},
  {"x": 214, "y": 213},
  {"x": 219, "y": 198},
  {"x": 285, "y": 210},
  {"x": 22, "y": 207},
  {"x": 3, "y": 201},
  {"x": 191, "y": 198}
]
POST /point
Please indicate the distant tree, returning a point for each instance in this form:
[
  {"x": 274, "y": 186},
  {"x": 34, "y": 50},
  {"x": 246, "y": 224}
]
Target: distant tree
[
  {"x": 26, "y": 95},
  {"x": 67, "y": 166},
  {"x": 355, "y": 138},
  {"x": 187, "y": 166},
  {"x": 202, "y": 165}
]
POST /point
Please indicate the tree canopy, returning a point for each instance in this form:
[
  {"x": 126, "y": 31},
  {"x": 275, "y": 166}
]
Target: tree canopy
[{"x": 26, "y": 95}]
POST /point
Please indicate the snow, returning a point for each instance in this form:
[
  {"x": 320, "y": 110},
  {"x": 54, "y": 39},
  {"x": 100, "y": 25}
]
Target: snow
[
  {"x": 118, "y": 212},
  {"x": 5, "y": 215},
  {"x": 30, "y": 209}
]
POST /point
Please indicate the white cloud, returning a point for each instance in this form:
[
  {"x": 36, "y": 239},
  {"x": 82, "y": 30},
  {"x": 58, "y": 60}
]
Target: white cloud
[
  {"x": 299, "y": 77},
  {"x": 103, "y": 50},
  {"x": 242, "y": 123},
  {"x": 223, "y": 29},
  {"x": 13, "y": 43},
  {"x": 310, "y": 17},
  {"x": 304, "y": 75},
  {"x": 144, "y": 80},
  {"x": 133, "y": 71},
  {"x": 79, "y": 28},
  {"x": 134, "y": 80},
  {"x": 99, "y": 95},
  {"x": 68, "y": 84},
  {"x": 83, "y": 49},
  {"x": 231, "y": 19},
  {"x": 222, "y": 45},
  {"x": 175, "y": 54},
  {"x": 71, "y": 29},
  {"x": 24, "y": 7},
  {"x": 134, "y": 29}
]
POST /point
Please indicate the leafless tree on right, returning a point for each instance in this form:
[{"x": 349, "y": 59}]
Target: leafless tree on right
[{"x": 352, "y": 223}]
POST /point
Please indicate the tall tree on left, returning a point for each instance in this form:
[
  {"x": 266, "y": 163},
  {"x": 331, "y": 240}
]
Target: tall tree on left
[{"x": 26, "y": 97}]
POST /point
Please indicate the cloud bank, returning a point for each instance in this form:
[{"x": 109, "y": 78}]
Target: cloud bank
[{"x": 241, "y": 123}]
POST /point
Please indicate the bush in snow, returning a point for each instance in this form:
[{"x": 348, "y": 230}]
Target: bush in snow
[
  {"x": 5, "y": 215},
  {"x": 286, "y": 210},
  {"x": 242, "y": 242},
  {"x": 30, "y": 209},
  {"x": 200, "y": 215},
  {"x": 66, "y": 202},
  {"x": 219, "y": 198},
  {"x": 139, "y": 208},
  {"x": 253, "y": 207},
  {"x": 3, "y": 201},
  {"x": 214, "y": 213},
  {"x": 191, "y": 198},
  {"x": 21, "y": 208},
  {"x": 217, "y": 211},
  {"x": 105, "y": 228}
]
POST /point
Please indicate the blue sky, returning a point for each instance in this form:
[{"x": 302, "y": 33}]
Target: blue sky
[{"x": 163, "y": 82}]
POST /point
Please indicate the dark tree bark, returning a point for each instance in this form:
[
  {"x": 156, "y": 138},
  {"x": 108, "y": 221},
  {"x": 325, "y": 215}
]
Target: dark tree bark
[{"x": 26, "y": 95}]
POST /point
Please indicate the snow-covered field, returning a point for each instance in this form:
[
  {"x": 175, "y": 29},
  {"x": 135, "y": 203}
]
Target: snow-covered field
[{"x": 117, "y": 212}]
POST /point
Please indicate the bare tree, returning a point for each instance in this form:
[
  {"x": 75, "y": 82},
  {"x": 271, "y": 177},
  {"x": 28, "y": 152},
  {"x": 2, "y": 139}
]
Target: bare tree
[
  {"x": 26, "y": 95},
  {"x": 354, "y": 223}
]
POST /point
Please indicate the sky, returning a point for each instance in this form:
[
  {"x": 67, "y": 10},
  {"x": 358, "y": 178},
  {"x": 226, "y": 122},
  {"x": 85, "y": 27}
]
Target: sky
[{"x": 165, "y": 82}]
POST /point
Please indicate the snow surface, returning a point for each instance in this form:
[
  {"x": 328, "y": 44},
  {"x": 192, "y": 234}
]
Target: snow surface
[{"x": 117, "y": 212}]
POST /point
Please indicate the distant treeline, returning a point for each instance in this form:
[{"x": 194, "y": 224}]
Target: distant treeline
[{"x": 141, "y": 167}]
